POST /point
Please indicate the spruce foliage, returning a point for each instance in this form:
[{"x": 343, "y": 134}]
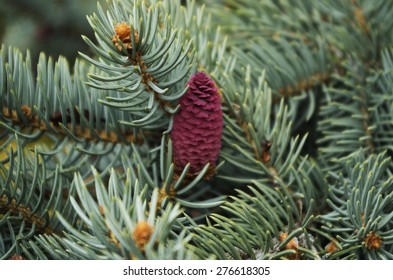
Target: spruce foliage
[{"x": 304, "y": 169}]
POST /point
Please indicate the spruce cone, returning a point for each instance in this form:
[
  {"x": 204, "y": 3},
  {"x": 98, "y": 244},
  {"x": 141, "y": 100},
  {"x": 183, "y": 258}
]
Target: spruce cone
[{"x": 197, "y": 127}]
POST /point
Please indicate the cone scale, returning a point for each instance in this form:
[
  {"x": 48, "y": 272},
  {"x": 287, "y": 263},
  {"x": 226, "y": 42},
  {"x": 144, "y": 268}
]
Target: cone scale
[{"x": 197, "y": 127}]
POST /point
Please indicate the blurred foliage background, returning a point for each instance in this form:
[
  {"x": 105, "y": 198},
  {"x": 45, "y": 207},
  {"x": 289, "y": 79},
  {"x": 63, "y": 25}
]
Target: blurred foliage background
[{"x": 51, "y": 26}]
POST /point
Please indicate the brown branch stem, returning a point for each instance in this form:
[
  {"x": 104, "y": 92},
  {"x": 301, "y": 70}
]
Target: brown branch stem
[{"x": 83, "y": 133}]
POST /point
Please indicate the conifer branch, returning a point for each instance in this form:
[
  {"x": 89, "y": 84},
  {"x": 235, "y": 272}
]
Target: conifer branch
[
  {"x": 124, "y": 156},
  {"x": 13, "y": 208},
  {"x": 365, "y": 194},
  {"x": 54, "y": 126},
  {"x": 267, "y": 153}
]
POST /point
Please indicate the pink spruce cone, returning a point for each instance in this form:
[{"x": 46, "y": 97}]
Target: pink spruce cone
[{"x": 197, "y": 127}]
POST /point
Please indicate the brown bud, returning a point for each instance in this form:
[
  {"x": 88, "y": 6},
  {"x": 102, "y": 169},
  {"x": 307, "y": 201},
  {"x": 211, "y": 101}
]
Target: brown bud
[
  {"x": 16, "y": 258},
  {"x": 123, "y": 34},
  {"x": 372, "y": 241},
  {"x": 142, "y": 234}
]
